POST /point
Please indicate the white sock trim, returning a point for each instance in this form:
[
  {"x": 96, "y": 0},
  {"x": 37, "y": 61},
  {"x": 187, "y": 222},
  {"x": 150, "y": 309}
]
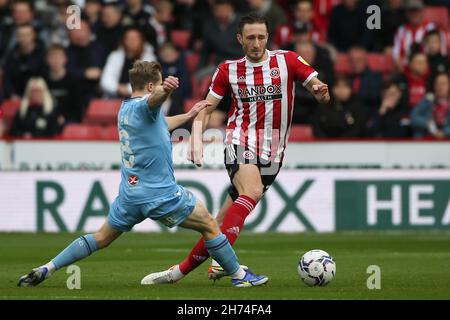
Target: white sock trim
[{"x": 239, "y": 274}]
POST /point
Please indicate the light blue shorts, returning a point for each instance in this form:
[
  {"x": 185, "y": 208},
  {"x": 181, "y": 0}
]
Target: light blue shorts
[{"x": 170, "y": 211}]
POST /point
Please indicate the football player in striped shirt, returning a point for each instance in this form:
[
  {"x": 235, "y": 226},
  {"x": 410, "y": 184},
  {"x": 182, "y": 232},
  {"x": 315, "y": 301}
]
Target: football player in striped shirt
[{"x": 259, "y": 120}]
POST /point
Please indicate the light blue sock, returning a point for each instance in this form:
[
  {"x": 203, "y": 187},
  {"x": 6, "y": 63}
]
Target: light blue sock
[
  {"x": 77, "y": 250},
  {"x": 220, "y": 249}
]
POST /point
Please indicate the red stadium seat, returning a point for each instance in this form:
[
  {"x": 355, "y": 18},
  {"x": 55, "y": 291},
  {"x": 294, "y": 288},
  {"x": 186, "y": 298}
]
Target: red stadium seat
[
  {"x": 438, "y": 15},
  {"x": 102, "y": 111},
  {"x": 9, "y": 109},
  {"x": 181, "y": 38},
  {"x": 192, "y": 61},
  {"x": 82, "y": 132},
  {"x": 342, "y": 64},
  {"x": 300, "y": 133},
  {"x": 383, "y": 63},
  {"x": 110, "y": 133}
]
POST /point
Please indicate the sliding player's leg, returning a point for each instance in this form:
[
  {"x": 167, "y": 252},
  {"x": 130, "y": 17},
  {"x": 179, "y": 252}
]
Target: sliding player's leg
[
  {"x": 121, "y": 218},
  {"x": 79, "y": 249}
]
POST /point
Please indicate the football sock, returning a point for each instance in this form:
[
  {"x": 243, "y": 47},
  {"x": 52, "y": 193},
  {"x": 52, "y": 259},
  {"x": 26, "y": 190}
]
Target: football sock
[
  {"x": 231, "y": 227},
  {"x": 176, "y": 273},
  {"x": 50, "y": 267},
  {"x": 220, "y": 249},
  {"x": 77, "y": 250}
]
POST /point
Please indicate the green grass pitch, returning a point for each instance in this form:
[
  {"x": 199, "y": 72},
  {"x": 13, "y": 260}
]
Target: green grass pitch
[{"x": 414, "y": 265}]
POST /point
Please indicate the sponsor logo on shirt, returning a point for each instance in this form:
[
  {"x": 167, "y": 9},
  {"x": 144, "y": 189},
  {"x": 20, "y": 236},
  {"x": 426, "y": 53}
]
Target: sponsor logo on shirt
[{"x": 260, "y": 93}]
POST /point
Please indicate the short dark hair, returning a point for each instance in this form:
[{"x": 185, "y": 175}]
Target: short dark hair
[
  {"x": 222, "y": 2},
  {"x": 56, "y": 47},
  {"x": 144, "y": 72},
  {"x": 252, "y": 18}
]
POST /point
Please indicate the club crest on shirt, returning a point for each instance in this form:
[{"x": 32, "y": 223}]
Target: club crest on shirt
[
  {"x": 133, "y": 180},
  {"x": 241, "y": 79},
  {"x": 275, "y": 73},
  {"x": 248, "y": 155}
]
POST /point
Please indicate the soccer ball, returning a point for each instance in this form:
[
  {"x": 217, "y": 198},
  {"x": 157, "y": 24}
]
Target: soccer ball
[{"x": 316, "y": 268}]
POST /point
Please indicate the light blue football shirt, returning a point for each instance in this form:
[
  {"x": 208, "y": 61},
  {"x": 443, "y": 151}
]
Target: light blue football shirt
[{"x": 146, "y": 148}]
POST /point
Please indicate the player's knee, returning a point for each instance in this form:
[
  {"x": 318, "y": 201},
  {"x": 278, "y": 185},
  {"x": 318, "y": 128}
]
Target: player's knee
[
  {"x": 254, "y": 192},
  {"x": 102, "y": 240},
  {"x": 210, "y": 225}
]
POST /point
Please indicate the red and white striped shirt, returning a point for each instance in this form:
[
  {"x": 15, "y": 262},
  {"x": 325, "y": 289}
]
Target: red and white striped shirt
[
  {"x": 407, "y": 35},
  {"x": 260, "y": 115}
]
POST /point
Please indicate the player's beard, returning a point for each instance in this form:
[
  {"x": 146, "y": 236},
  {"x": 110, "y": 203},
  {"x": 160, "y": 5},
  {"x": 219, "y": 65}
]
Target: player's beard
[{"x": 255, "y": 56}]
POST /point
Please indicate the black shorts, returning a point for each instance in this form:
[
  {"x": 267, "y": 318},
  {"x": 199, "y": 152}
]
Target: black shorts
[{"x": 235, "y": 155}]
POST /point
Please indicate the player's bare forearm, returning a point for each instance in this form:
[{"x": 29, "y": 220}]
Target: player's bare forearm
[
  {"x": 176, "y": 121},
  {"x": 158, "y": 96},
  {"x": 200, "y": 123},
  {"x": 161, "y": 92},
  {"x": 319, "y": 90},
  {"x": 202, "y": 119}
]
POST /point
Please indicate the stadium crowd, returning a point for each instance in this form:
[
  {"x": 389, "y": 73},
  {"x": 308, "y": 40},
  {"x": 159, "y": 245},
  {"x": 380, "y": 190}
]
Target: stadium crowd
[{"x": 391, "y": 82}]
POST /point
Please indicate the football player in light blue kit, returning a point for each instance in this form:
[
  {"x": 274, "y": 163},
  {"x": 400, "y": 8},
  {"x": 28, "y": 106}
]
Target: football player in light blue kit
[{"x": 148, "y": 188}]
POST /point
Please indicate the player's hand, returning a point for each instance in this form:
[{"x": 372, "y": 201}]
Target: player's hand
[
  {"x": 199, "y": 106},
  {"x": 195, "y": 152},
  {"x": 321, "y": 92},
  {"x": 170, "y": 84}
]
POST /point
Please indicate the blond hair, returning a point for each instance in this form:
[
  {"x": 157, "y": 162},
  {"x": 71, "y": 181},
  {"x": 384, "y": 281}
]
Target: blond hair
[{"x": 48, "y": 103}]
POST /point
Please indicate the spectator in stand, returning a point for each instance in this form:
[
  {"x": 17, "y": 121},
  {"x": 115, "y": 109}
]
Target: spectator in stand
[
  {"x": 393, "y": 15},
  {"x": 322, "y": 12},
  {"x": 302, "y": 19},
  {"x": 86, "y": 57},
  {"x": 433, "y": 49},
  {"x": 190, "y": 15},
  {"x": 137, "y": 13},
  {"x": 305, "y": 104},
  {"x": 414, "y": 78},
  {"x": 219, "y": 39},
  {"x": 173, "y": 63},
  {"x": 111, "y": 30},
  {"x": 54, "y": 18},
  {"x": 161, "y": 22},
  {"x": 115, "y": 81},
  {"x": 366, "y": 84},
  {"x": 431, "y": 117},
  {"x": 392, "y": 118},
  {"x": 26, "y": 60},
  {"x": 2, "y": 124},
  {"x": 63, "y": 86},
  {"x": 22, "y": 14},
  {"x": 37, "y": 116},
  {"x": 6, "y": 24},
  {"x": 91, "y": 11},
  {"x": 269, "y": 8},
  {"x": 344, "y": 117},
  {"x": 348, "y": 26},
  {"x": 412, "y": 33}
]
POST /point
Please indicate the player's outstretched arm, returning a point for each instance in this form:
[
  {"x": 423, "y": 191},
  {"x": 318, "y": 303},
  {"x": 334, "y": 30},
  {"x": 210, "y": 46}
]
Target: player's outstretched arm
[
  {"x": 200, "y": 123},
  {"x": 161, "y": 92},
  {"x": 319, "y": 90},
  {"x": 176, "y": 121}
]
